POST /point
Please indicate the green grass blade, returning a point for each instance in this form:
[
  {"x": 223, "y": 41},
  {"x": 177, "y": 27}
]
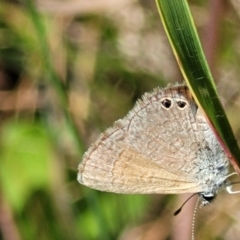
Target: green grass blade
[
  {"x": 61, "y": 91},
  {"x": 183, "y": 37},
  {"x": 52, "y": 76}
]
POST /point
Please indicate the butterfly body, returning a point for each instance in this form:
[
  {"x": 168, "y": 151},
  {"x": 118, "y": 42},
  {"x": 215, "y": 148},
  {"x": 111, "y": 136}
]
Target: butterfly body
[{"x": 163, "y": 145}]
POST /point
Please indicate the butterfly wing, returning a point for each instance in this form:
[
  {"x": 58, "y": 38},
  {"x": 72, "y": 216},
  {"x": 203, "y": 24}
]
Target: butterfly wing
[{"x": 151, "y": 150}]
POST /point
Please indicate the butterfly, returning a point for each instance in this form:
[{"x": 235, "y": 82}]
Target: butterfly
[{"x": 164, "y": 145}]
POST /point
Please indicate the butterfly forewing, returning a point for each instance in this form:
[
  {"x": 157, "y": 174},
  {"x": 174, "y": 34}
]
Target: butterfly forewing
[{"x": 154, "y": 149}]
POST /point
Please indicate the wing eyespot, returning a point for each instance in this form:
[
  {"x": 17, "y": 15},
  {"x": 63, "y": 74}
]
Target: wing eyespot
[
  {"x": 167, "y": 103},
  {"x": 181, "y": 104}
]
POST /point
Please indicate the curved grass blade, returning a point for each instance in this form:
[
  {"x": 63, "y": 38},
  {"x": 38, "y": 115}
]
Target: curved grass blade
[
  {"x": 62, "y": 95},
  {"x": 183, "y": 37}
]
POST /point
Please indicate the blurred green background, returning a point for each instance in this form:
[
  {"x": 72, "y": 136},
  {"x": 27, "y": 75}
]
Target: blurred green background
[{"x": 68, "y": 70}]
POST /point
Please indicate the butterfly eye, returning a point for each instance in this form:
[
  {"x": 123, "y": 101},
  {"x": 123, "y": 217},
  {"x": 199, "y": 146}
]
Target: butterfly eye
[
  {"x": 166, "y": 103},
  {"x": 181, "y": 104}
]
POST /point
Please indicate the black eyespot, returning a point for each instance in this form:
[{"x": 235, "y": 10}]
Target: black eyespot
[
  {"x": 167, "y": 103},
  {"x": 181, "y": 104}
]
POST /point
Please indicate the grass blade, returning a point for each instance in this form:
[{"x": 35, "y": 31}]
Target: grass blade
[{"x": 183, "y": 37}]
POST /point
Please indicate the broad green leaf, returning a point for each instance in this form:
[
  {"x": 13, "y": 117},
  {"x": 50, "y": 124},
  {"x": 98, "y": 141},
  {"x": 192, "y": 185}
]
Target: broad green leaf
[
  {"x": 25, "y": 162},
  {"x": 183, "y": 37}
]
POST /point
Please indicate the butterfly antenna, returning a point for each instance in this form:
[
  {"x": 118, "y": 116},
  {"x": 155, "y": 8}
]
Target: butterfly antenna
[
  {"x": 194, "y": 218},
  {"x": 180, "y": 209}
]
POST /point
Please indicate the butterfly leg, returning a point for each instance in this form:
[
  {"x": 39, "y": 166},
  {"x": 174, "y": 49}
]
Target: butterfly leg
[{"x": 230, "y": 191}]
